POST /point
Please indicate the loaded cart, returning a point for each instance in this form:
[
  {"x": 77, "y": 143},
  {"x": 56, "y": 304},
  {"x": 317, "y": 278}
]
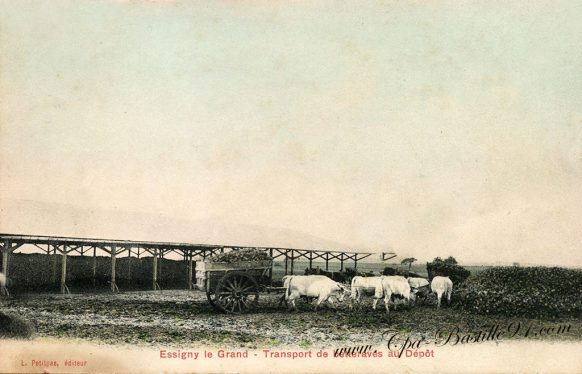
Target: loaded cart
[{"x": 233, "y": 287}]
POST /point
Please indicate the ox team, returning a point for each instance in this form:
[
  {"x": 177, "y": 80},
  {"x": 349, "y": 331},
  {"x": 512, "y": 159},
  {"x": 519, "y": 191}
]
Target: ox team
[{"x": 325, "y": 289}]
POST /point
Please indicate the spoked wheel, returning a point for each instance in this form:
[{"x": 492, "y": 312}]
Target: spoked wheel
[{"x": 236, "y": 292}]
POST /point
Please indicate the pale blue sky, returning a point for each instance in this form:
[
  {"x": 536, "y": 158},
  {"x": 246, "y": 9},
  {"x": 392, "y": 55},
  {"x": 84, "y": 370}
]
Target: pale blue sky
[{"x": 433, "y": 129}]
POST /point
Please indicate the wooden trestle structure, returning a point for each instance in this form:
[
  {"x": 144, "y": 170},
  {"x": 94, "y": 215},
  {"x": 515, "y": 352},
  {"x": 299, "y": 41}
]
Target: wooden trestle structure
[{"x": 190, "y": 253}]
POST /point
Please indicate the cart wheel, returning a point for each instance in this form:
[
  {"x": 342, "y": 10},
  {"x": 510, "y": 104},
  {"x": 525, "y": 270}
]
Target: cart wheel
[{"x": 236, "y": 292}]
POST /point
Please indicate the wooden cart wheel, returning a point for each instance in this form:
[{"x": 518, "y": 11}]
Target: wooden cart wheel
[{"x": 236, "y": 292}]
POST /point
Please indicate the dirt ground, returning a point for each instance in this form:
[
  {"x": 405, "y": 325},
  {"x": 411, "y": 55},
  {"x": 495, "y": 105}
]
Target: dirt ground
[{"x": 186, "y": 319}]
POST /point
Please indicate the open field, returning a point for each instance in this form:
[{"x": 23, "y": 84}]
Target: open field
[{"x": 185, "y": 318}]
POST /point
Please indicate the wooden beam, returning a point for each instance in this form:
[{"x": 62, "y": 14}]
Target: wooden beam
[
  {"x": 64, "y": 288},
  {"x": 160, "y": 265},
  {"x": 4, "y": 289},
  {"x": 13, "y": 247},
  {"x": 155, "y": 285},
  {"x": 5, "y": 262},
  {"x": 298, "y": 254},
  {"x": 317, "y": 255},
  {"x": 385, "y": 256},
  {"x": 113, "y": 263},
  {"x": 129, "y": 260},
  {"x": 278, "y": 254},
  {"x": 54, "y": 273},
  {"x": 18, "y": 240},
  {"x": 190, "y": 270},
  {"x": 271, "y": 269},
  {"x": 94, "y": 265}
]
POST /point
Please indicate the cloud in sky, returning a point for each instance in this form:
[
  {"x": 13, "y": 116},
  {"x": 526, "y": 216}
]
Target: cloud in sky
[{"x": 435, "y": 129}]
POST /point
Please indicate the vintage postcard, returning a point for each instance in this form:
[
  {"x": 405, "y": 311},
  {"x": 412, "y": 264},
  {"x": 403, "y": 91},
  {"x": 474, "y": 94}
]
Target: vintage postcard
[{"x": 290, "y": 186}]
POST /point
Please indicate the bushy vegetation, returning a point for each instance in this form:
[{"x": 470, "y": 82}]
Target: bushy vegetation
[
  {"x": 539, "y": 292},
  {"x": 447, "y": 268},
  {"x": 12, "y": 326},
  {"x": 249, "y": 254},
  {"x": 405, "y": 273}
]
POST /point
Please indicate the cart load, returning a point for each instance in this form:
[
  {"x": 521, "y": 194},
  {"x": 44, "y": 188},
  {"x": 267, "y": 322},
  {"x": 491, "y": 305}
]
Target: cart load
[
  {"x": 242, "y": 255},
  {"x": 233, "y": 280}
]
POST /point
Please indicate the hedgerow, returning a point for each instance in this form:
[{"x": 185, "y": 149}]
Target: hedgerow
[
  {"x": 539, "y": 292},
  {"x": 447, "y": 268},
  {"x": 405, "y": 273}
]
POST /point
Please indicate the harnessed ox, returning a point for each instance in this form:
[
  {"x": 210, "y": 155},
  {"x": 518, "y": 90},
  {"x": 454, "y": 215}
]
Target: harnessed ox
[
  {"x": 442, "y": 286},
  {"x": 318, "y": 286}
]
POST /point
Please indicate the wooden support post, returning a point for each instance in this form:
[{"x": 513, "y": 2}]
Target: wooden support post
[
  {"x": 155, "y": 271},
  {"x": 271, "y": 269},
  {"x": 54, "y": 273},
  {"x": 113, "y": 263},
  {"x": 94, "y": 265},
  {"x": 286, "y": 258},
  {"x": 64, "y": 288},
  {"x": 327, "y": 261},
  {"x": 4, "y": 289},
  {"x": 49, "y": 261},
  {"x": 129, "y": 265},
  {"x": 342, "y": 262},
  {"x": 355, "y": 262},
  {"x": 5, "y": 262},
  {"x": 160, "y": 266},
  {"x": 310, "y": 260},
  {"x": 190, "y": 270},
  {"x": 193, "y": 271},
  {"x": 292, "y": 260}
]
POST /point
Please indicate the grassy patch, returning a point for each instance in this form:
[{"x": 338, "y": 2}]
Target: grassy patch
[
  {"x": 306, "y": 344},
  {"x": 150, "y": 319},
  {"x": 13, "y": 326},
  {"x": 274, "y": 342}
]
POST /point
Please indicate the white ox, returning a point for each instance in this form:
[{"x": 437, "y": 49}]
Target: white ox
[
  {"x": 318, "y": 286},
  {"x": 419, "y": 286},
  {"x": 285, "y": 280},
  {"x": 366, "y": 286},
  {"x": 417, "y": 282},
  {"x": 442, "y": 286},
  {"x": 392, "y": 285}
]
